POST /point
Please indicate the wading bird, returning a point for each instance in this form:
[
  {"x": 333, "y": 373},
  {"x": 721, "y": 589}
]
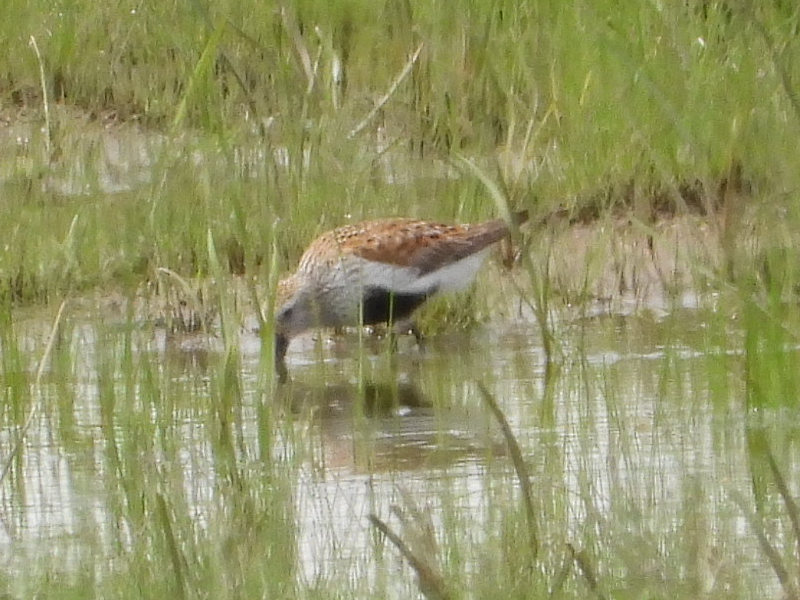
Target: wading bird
[{"x": 379, "y": 271}]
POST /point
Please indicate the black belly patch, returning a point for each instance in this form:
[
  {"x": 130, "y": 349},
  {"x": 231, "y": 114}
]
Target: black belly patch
[{"x": 382, "y": 306}]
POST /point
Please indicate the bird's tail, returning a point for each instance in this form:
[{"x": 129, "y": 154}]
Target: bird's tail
[
  {"x": 519, "y": 217},
  {"x": 509, "y": 251}
]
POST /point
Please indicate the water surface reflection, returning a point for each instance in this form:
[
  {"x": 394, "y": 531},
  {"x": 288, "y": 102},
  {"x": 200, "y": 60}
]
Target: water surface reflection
[{"x": 628, "y": 435}]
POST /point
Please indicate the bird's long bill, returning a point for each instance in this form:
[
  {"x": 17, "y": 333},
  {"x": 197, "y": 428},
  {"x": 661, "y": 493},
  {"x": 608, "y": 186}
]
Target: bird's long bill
[{"x": 281, "y": 345}]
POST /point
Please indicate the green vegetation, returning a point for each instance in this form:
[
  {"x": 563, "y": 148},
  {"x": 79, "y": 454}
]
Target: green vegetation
[
  {"x": 131, "y": 470},
  {"x": 164, "y": 162},
  {"x": 266, "y": 115}
]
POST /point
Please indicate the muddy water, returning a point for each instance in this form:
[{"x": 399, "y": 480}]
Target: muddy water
[{"x": 639, "y": 426}]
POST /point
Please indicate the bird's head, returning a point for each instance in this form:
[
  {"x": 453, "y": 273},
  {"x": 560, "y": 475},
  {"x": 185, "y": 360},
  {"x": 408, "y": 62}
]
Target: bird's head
[
  {"x": 293, "y": 311},
  {"x": 292, "y": 316}
]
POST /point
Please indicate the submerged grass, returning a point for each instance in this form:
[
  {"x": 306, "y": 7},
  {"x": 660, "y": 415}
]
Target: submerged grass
[{"x": 184, "y": 473}]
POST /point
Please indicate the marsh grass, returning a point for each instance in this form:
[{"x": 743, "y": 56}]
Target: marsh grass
[
  {"x": 152, "y": 433},
  {"x": 590, "y": 111},
  {"x": 196, "y": 472},
  {"x": 179, "y": 157}
]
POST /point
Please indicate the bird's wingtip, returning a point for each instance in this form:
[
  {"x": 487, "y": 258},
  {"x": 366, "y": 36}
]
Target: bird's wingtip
[{"x": 520, "y": 217}]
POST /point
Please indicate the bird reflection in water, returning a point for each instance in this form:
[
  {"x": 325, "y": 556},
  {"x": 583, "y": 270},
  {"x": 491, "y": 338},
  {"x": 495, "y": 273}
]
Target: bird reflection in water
[{"x": 382, "y": 426}]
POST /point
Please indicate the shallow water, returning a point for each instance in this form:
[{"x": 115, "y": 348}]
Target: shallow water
[
  {"x": 126, "y": 447},
  {"x": 640, "y": 432}
]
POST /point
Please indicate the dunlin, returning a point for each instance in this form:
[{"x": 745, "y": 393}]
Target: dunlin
[{"x": 379, "y": 272}]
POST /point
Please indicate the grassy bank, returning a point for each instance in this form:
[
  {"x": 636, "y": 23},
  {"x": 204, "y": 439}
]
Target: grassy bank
[{"x": 254, "y": 122}]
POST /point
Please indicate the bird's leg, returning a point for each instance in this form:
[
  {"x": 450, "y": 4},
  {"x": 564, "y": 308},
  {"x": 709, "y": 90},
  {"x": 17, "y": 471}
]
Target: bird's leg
[
  {"x": 406, "y": 326},
  {"x": 417, "y": 335}
]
